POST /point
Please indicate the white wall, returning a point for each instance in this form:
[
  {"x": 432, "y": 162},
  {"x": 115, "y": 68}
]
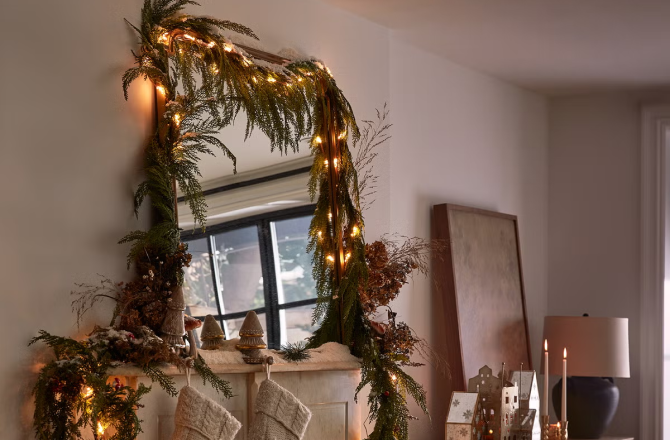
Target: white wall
[
  {"x": 466, "y": 138},
  {"x": 594, "y": 219},
  {"x": 71, "y": 148}
]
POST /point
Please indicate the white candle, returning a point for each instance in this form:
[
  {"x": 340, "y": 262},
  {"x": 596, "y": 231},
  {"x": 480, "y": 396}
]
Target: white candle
[
  {"x": 545, "y": 394},
  {"x": 564, "y": 399}
]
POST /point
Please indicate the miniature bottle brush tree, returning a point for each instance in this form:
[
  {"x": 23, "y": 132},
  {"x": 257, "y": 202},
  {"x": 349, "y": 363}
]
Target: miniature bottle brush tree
[{"x": 203, "y": 81}]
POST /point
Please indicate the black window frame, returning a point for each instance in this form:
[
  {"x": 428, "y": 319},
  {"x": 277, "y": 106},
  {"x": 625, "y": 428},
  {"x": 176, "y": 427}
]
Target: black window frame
[{"x": 268, "y": 270}]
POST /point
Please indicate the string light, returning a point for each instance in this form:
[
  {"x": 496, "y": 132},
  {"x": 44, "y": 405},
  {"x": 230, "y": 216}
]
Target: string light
[
  {"x": 215, "y": 69},
  {"x": 164, "y": 38},
  {"x": 329, "y": 72},
  {"x": 177, "y": 118},
  {"x": 330, "y": 216},
  {"x": 318, "y": 140},
  {"x": 101, "y": 428},
  {"x": 299, "y": 79},
  {"x": 335, "y": 162},
  {"x": 330, "y": 258},
  {"x": 325, "y": 162},
  {"x": 271, "y": 79},
  {"x": 254, "y": 78},
  {"x": 355, "y": 231},
  {"x": 162, "y": 90},
  {"x": 212, "y": 44},
  {"x": 346, "y": 257},
  {"x": 189, "y": 37},
  {"x": 342, "y": 135},
  {"x": 228, "y": 48},
  {"x": 319, "y": 234},
  {"x": 394, "y": 377},
  {"x": 88, "y": 392}
]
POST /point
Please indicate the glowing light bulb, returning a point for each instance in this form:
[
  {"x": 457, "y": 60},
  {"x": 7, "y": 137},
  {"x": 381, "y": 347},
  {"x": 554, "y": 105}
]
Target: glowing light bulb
[
  {"x": 318, "y": 140},
  {"x": 254, "y": 78},
  {"x": 212, "y": 44},
  {"x": 215, "y": 69},
  {"x": 177, "y": 118},
  {"x": 101, "y": 428},
  {"x": 355, "y": 231},
  {"x": 329, "y": 72},
  {"x": 325, "y": 162},
  {"x": 346, "y": 257},
  {"x": 189, "y": 37},
  {"x": 335, "y": 162},
  {"x": 271, "y": 80},
  {"x": 342, "y": 135},
  {"x": 228, "y": 48},
  {"x": 394, "y": 377},
  {"x": 164, "y": 38},
  {"x": 162, "y": 90},
  {"x": 330, "y": 258},
  {"x": 88, "y": 392},
  {"x": 330, "y": 216},
  {"x": 320, "y": 234},
  {"x": 299, "y": 79}
]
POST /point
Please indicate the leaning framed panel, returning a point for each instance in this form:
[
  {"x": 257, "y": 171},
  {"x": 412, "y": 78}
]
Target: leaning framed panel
[{"x": 479, "y": 280}]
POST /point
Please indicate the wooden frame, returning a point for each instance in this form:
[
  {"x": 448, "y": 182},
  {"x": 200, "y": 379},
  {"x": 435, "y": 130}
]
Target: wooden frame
[{"x": 483, "y": 257}]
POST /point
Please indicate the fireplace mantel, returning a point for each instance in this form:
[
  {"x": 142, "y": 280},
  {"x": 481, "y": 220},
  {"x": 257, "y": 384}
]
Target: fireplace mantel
[{"x": 326, "y": 383}]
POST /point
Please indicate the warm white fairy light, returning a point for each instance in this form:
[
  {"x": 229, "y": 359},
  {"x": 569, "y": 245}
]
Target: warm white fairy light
[
  {"x": 228, "y": 48},
  {"x": 161, "y": 90},
  {"x": 394, "y": 377},
  {"x": 335, "y": 162},
  {"x": 330, "y": 258},
  {"x": 318, "y": 140},
  {"x": 254, "y": 79},
  {"x": 189, "y": 37},
  {"x": 215, "y": 69},
  {"x": 212, "y": 44},
  {"x": 101, "y": 428},
  {"x": 164, "y": 38},
  {"x": 342, "y": 135},
  {"x": 177, "y": 118},
  {"x": 319, "y": 234},
  {"x": 271, "y": 79},
  {"x": 355, "y": 231},
  {"x": 325, "y": 162},
  {"x": 346, "y": 257},
  {"x": 87, "y": 392}
]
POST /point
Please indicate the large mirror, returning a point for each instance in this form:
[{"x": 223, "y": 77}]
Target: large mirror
[{"x": 252, "y": 255}]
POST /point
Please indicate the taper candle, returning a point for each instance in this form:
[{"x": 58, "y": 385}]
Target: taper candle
[
  {"x": 564, "y": 399},
  {"x": 545, "y": 393}
]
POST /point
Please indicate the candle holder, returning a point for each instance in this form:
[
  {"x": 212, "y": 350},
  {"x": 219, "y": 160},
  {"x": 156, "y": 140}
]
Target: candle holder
[
  {"x": 544, "y": 426},
  {"x": 564, "y": 430}
]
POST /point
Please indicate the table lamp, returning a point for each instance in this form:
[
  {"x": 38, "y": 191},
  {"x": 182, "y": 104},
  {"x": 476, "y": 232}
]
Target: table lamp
[{"x": 597, "y": 352}]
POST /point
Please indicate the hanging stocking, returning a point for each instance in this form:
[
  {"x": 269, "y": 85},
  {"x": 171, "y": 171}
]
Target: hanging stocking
[
  {"x": 279, "y": 414},
  {"x": 200, "y": 418}
]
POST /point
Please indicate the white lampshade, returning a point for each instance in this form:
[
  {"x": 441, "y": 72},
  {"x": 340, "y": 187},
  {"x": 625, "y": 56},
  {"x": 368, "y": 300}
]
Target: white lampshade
[{"x": 597, "y": 347}]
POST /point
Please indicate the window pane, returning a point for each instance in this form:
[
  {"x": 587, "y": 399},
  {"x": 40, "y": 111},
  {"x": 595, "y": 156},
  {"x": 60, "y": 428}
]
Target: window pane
[
  {"x": 239, "y": 263},
  {"x": 295, "y": 281},
  {"x": 199, "y": 293},
  {"x": 231, "y": 327},
  {"x": 296, "y": 323}
]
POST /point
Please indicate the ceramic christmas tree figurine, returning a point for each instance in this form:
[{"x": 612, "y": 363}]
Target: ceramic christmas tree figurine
[
  {"x": 251, "y": 339},
  {"x": 212, "y": 336},
  {"x": 173, "y": 329}
]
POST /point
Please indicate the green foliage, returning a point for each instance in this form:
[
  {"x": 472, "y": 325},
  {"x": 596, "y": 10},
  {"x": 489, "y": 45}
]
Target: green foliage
[
  {"x": 72, "y": 393},
  {"x": 295, "y": 352},
  {"x": 207, "y": 375},
  {"x": 157, "y": 375}
]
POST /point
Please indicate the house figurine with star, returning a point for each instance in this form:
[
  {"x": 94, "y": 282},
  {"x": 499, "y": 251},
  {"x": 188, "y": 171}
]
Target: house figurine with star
[
  {"x": 529, "y": 399},
  {"x": 464, "y": 419}
]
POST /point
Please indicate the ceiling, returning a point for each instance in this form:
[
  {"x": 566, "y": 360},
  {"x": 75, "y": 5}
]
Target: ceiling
[{"x": 550, "y": 46}]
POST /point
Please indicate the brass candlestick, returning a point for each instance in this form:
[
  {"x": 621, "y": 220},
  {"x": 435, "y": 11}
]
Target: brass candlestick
[
  {"x": 564, "y": 430},
  {"x": 544, "y": 426}
]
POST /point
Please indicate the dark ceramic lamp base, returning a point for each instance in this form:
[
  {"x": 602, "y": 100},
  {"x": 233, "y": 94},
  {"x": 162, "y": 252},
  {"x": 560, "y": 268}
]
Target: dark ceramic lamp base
[{"x": 592, "y": 402}]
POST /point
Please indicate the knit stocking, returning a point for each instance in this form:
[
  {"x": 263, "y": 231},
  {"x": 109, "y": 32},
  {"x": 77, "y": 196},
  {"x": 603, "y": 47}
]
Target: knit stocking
[
  {"x": 200, "y": 418},
  {"x": 279, "y": 414}
]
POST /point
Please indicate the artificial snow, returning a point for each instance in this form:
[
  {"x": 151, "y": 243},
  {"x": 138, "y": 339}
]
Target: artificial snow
[{"x": 327, "y": 353}]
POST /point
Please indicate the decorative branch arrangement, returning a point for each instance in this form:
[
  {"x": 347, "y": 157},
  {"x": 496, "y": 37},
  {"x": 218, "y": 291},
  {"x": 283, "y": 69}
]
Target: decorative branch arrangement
[{"x": 203, "y": 81}]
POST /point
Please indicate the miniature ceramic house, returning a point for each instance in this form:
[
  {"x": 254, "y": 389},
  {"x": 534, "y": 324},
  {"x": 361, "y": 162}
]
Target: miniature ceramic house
[
  {"x": 499, "y": 401},
  {"x": 525, "y": 425},
  {"x": 464, "y": 420},
  {"x": 529, "y": 398}
]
